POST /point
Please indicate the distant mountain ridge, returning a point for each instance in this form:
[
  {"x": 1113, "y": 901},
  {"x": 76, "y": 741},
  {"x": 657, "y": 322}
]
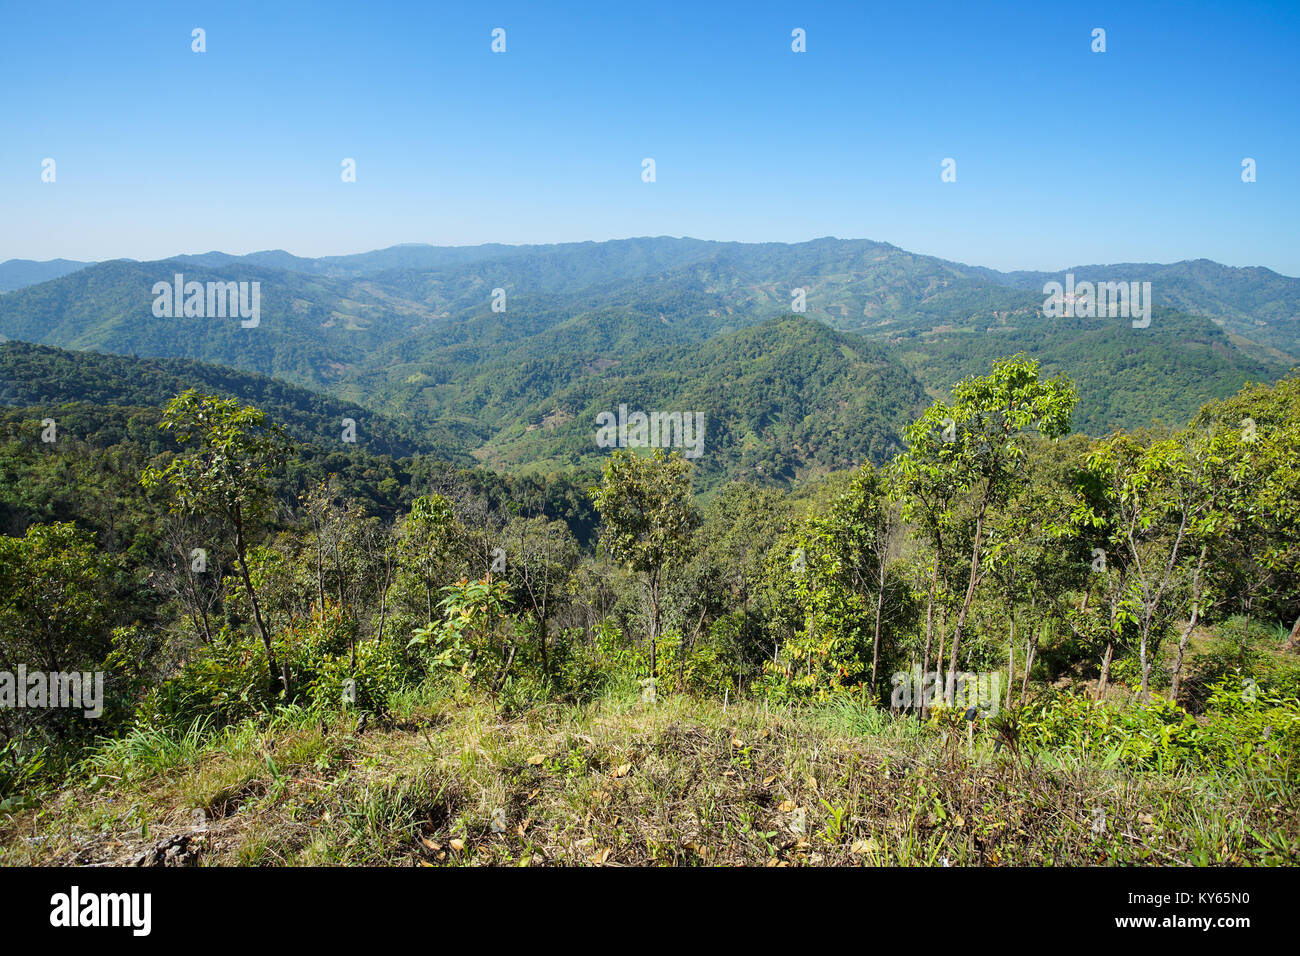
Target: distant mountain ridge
[
  {"x": 20, "y": 273},
  {"x": 1253, "y": 302},
  {"x": 503, "y": 353},
  {"x": 42, "y": 377}
]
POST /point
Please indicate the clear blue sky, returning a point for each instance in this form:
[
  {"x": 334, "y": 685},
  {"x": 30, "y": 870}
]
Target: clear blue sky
[{"x": 1063, "y": 156}]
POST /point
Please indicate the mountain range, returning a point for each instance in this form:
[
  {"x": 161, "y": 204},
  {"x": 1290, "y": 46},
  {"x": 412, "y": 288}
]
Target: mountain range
[{"x": 803, "y": 357}]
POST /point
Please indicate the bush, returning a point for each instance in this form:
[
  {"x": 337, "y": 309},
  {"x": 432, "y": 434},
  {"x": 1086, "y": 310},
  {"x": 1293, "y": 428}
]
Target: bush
[
  {"x": 1244, "y": 728},
  {"x": 20, "y": 769},
  {"x": 223, "y": 682},
  {"x": 381, "y": 670}
]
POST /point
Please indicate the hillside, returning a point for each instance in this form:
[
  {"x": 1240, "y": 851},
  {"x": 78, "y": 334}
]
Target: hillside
[
  {"x": 44, "y": 378},
  {"x": 1125, "y": 375},
  {"x": 1255, "y": 303},
  {"x": 411, "y": 332},
  {"x": 20, "y": 273},
  {"x": 688, "y": 782},
  {"x": 310, "y": 329},
  {"x": 781, "y": 400}
]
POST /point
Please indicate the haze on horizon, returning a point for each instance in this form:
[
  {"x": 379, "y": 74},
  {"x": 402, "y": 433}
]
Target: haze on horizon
[{"x": 358, "y": 252}]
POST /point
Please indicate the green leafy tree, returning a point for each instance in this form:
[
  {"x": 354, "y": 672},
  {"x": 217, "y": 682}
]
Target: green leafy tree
[
  {"x": 52, "y": 598},
  {"x": 978, "y": 444},
  {"x": 224, "y": 471},
  {"x": 427, "y": 539},
  {"x": 540, "y": 555},
  {"x": 647, "y": 516}
]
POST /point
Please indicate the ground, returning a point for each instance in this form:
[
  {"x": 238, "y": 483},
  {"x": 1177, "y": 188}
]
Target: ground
[{"x": 450, "y": 780}]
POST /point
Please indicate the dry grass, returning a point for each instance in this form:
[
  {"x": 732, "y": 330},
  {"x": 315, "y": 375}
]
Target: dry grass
[{"x": 621, "y": 782}]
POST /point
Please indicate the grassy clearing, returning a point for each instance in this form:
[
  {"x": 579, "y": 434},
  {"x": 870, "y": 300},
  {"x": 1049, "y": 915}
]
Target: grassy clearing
[{"x": 450, "y": 781}]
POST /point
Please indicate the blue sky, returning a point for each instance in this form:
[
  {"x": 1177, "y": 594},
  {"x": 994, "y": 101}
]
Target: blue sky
[{"x": 1064, "y": 156}]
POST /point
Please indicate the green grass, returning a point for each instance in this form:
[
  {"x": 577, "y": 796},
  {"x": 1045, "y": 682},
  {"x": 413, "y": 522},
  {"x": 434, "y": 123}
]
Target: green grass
[{"x": 452, "y": 780}]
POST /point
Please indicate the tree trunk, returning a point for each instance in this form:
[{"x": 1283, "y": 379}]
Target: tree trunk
[
  {"x": 1191, "y": 624},
  {"x": 1031, "y": 652},
  {"x": 383, "y": 600},
  {"x": 320, "y": 569},
  {"x": 943, "y": 644},
  {"x": 1105, "y": 670},
  {"x": 505, "y": 669},
  {"x": 1011, "y": 661},
  {"x": 541, "y": 638},
  {"x": 654, "y": 629},
  {"x": 929, "y": 633},
  {"x": 880, "y": 605},
  {"x": 283, "y": 677},
  {"x": 1292, "y": 644},
  {"x": 969, "y": 599}
]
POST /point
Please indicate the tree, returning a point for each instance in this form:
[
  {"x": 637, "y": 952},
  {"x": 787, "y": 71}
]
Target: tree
[
  {"x": 843, "y": 553},
  {"x": 647, "y": 518},
  {"x": 1259, "y": 435},
  {"x": 1033, "y": 558},
  {"x": 978, "y": 445},
  {"x": 426, "y": 540},
  {"x": 1156, "y": 499},
  {"x": 540, "y": 556},
  {"x": 224, "y": 471},
  {"x": 52, "y": 598}
]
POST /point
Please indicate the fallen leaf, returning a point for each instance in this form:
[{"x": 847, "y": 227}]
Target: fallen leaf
[
  {"x": 767, "y": 781},
  {"x": 601, "y": 857},
  {"x": 536, "y": 759},
  {"x": 787, "y": 806},
  {"x": 622, "y": 770},
  {"x": 458, "y": 845}
]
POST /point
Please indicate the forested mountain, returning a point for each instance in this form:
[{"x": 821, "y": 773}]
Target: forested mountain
[
  {"x": 872, "y": 492},
  {"x": 779, "y": 400},
  {"x": 45, "y": 378},
  {"x": 507, "y": 353},
  {"x": 1125, "y": 375},
  {"x": 18, "y": 273},
  {"x": 1254, "y": 303}
]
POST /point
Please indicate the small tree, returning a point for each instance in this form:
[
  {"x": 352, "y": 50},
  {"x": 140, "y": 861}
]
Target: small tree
[
  {"x": 541, "y": 555},
  {"x": 978, "y": 445},
  {"x": 647, "y": 518},
  {"x": 224, "y": 471}
]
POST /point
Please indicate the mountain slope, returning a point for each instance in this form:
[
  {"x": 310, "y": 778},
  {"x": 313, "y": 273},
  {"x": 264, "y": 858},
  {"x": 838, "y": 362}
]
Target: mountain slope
[
  {"x": 310, "y": 329},
  {"x": 782, "y": 400},
  {"x": 421, "y": 334},
  {"x": 20, "y": 273},
  {"x": 1256, "y": 303},
  {"x": 37, "y": 376},
  {"x": 1126, "y": 377}
]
